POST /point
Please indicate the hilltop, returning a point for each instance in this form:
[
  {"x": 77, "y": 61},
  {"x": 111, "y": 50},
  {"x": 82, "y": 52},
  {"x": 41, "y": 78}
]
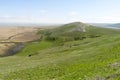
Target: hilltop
[{"x": 75, "y": 31}]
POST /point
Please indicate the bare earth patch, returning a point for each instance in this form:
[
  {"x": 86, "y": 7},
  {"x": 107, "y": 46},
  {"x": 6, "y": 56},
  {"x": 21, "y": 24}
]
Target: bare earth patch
[{"x": 11, "y": 36}]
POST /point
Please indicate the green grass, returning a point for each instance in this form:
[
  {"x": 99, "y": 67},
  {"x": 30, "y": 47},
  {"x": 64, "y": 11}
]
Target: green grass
[
  {"x": 34, "y": 47},
  {"x": 87, "y": 59},
  {"x": 70, "y": 32}
]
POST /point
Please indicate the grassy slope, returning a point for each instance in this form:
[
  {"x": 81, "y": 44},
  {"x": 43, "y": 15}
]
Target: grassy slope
[{"x": 90, "y": 58}]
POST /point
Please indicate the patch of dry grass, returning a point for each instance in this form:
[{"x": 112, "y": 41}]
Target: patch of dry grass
[{"x": 16, "y": 34}]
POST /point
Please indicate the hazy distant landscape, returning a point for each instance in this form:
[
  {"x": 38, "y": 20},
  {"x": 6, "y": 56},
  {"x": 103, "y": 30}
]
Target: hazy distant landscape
[{"x": 107, "y": 25}]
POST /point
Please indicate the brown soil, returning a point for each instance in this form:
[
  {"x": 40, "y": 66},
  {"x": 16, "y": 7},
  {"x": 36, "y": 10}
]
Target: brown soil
[{"x": 10, "y": 37}]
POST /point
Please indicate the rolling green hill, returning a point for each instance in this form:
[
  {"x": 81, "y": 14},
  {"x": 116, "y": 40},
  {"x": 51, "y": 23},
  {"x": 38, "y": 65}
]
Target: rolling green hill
[
  {"x": 65, "y": 31},
  {"x": 74, "y": 51},
  {"x": 76, "y": 31}
]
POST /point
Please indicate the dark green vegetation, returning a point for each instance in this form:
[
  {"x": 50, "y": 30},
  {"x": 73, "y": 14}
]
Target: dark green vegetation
[{"x": 74, "y": 51}]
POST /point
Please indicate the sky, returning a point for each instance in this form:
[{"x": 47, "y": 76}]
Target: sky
[{"x": 60, "y": 11}]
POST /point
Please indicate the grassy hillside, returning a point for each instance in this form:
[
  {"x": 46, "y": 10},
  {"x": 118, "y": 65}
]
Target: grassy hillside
[
  {"x": 65, "y": 31},
  {"x": 75, "y": 31},
  {"x": 94, "y": 55}
]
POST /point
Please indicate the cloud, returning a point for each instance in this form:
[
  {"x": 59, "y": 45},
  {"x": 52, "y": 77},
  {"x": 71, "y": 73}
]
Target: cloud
[
  {"x": 73, "y": 13},
  {"x": 18, "y": 18},
  {"x": 6, "y": 17},
  {"x": 27, "y": 19},
  {"x": 73, "y": 16},
  {"x": 103, "y": 19}
]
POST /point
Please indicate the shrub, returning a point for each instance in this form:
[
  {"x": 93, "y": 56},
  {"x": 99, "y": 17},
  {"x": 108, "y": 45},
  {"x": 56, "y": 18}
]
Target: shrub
[
  {"x": 94, "y": 36},
  {"x": 50, "y": 38}
]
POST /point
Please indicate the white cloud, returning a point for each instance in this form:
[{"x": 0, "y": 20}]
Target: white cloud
[
  {"x": 17, "y": 19},
  {"x": 5, "y": 17},
  {"x": 69, "y": 17},
  {"x": 73, "y": 13},
  {"x": 28, "y": 19},
  {"x": 73, "y": 16},
  {"x": 103, "y": 19}
]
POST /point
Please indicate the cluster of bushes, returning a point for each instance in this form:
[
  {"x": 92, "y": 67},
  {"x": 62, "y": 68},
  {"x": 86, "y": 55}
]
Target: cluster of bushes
[
  {"x": 50, "y": 38},
  {"x": 63, "y": 38},
  {"x": 68, "y": 36},
  {"x": 80, "y": 38}
]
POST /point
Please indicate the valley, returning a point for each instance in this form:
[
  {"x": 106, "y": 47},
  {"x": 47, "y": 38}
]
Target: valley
[{"x": 12, "y": 37}]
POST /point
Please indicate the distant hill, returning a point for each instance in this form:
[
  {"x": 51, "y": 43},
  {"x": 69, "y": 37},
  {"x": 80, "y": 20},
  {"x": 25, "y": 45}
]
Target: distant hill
[
  {"x": 76, "y": 26},
  {"x": 68, "y": 28},
  {"x": 100, "y": 24},
  {"x": 74, "y": 31},
  {"x": 115, "y": 25}
]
